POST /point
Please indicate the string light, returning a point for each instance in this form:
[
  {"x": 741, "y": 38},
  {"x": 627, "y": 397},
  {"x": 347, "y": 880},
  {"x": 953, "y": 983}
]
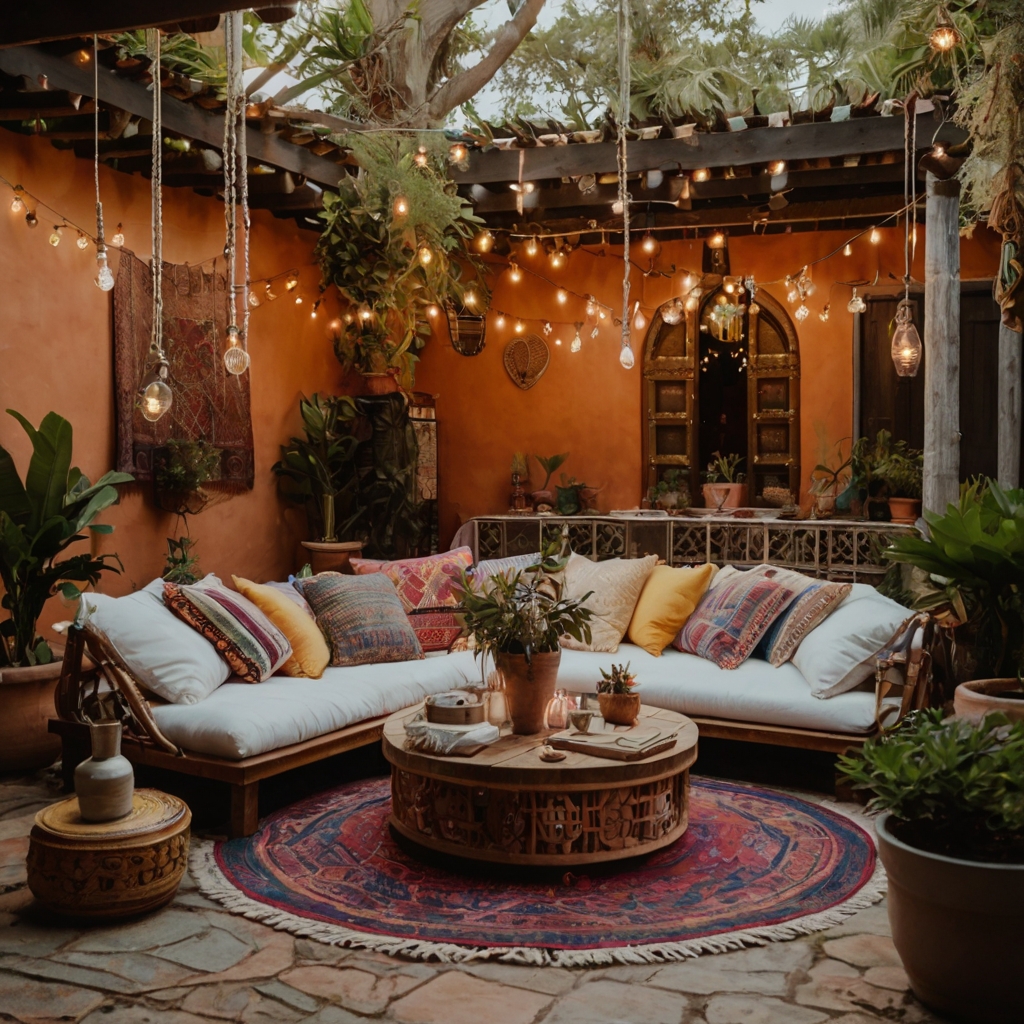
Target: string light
[
  {"x": 519, "y": 327},
  {"x": 458, "y": 153},
  {"x": 17, "y": 203},
  {"x": 55, "y": 234},
  {"x": 401, "y": 206},
  {"x": 421, "y": 159},
  {"x": 823, "y": 315},
  {"x": 515, "y": 275},
  {"x": 118, "y": 237},
  {"x": 82, "y": 241},
  {"x": 875, "y": 236},
  {"x": 532, "y": 246},
  {"x": 31, "y": 219},
  {"x": 557, "y": 259},
  {"x": 801, "y": 312},
  {"x": 591, "y": 307},
  {"x": 500, "y": 322},
  {"x": 292, "y": 283},
  {"x": 649, "y": 246},
  {"x": 298, "y": 300},
  {"x": 639, "y": 320},
  {"x": 483, "y": 242},
  {"x": 561, "y": 296},
  {"x": 847, "y": 249},
  {"x": 701, "y": 174},
  {"x": 577, "y": 341},
  {"x": 433, "y": 311},
  {"x": 254, "y": 299},
  {"x": 470, "y": 298},
  {"x": 856, "y": 303},
  {"x": 425, "y": 255},
  {"x": 777, "y": 167},
  {"x": 944, "y": 36},
  {"x": 269, "y": 292},
  {"x": 522, "y": 187},
  {"x": 313, "y": 311},
  {"x": 547, "y": 329},
  {"x": 717, "y": 241}
]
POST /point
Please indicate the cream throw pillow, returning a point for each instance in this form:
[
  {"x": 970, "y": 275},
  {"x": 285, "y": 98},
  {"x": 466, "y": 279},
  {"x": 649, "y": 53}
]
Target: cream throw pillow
[{"x": 616, "y": 586}]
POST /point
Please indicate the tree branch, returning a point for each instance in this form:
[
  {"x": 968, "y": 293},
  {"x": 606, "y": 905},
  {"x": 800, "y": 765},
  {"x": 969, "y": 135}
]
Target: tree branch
[{"x": 468, "y": 83}]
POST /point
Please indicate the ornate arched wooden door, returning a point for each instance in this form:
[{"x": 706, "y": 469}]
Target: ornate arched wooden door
[{"x": 671, "y": 393}]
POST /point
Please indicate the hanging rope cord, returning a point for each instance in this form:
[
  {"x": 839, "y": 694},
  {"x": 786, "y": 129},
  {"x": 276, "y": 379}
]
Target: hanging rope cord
[
  {"x": 100, "y": 244},
  {"x": 157, "y": 259},
  {"x": 236, "y": 177},
  {"x": 624, "y": 31},
  {"x": 909, "y": 186},
  {"x": 230, "y": 158}
]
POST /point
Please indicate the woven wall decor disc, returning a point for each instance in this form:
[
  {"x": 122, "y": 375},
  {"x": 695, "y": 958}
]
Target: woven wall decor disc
[{"x": 526, "y": 359}]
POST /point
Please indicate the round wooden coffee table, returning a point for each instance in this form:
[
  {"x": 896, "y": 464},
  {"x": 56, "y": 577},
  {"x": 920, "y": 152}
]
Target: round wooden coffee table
[{"x": 508, "y": 806}]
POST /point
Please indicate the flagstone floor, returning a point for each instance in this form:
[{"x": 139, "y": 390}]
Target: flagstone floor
[{"x": 194, "y": 963}]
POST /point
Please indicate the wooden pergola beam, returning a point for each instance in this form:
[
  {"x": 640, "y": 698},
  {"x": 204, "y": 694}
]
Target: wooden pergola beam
[
  {"x": 824, "y": 139},
  {"x": 184, "y": 118},
  {"x": 24, "y": 23}
]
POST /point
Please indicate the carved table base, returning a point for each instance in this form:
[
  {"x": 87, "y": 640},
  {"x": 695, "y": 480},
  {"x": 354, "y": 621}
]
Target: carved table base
[{"x": 539, "y": 827}]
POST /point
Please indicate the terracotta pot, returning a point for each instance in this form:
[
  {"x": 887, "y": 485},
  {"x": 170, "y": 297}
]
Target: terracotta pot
[
  {"x": 975, "y": 699},
  {"x": 619, "y": 708},
  {"x": 380, "y": 383},
  {"x": 735, "y": 495},
  {"x": 26, "y": 700},
  {"x": 332, "y": 556},
  {"x": 905, "y": 510},
  {"x": 528, "y": 688},
  {"x": 956, "y": 925}
]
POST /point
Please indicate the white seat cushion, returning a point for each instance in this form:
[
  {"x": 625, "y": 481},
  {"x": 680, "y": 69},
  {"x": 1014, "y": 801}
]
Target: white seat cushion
[
  {"x": 754, "y": 692},
  {"x": 241, "y": 720}
]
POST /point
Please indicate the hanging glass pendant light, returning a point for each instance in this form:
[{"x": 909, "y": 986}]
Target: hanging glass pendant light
[
  {"x": 156, "y": 397},
  {"x": 906, "y": 342}
]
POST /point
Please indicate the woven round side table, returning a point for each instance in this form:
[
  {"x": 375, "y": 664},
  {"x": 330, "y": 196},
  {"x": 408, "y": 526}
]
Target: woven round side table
[{"x": 109, "y": 869}]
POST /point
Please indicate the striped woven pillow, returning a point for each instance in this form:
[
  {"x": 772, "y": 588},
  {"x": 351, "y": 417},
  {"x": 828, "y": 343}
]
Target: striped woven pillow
[{"x": 244, "y": 637}]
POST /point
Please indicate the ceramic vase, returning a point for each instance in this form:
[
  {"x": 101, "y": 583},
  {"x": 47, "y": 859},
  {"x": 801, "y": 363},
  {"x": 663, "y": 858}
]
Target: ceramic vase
[
  {"x": 105, "y": 782},
  {"x": 529, "y": 686},
  {"x": 619, "y": 708}
]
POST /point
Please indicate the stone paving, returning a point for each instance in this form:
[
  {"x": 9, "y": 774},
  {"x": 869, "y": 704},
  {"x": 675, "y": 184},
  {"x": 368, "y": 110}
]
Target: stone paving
[{"x": 195, "y": 963}]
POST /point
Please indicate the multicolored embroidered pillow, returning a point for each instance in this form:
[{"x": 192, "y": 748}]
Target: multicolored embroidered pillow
[
  {"x": 732, "y": 617},
  {"x": 365, "y": 566},
  {"x": 245, "y": 638},
  {"x": 362, "y": 618},
  {"x": 436, "y": 631},
  {"x": 425, "y": 583},
  {"x": 815, "y": 600}
]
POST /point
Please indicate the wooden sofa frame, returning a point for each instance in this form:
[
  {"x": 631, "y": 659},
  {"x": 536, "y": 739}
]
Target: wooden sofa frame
[{"x": 89, "y": 658}]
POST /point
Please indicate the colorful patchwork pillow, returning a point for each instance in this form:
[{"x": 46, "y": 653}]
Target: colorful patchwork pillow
[
  {"x": 245, "y": 638},
  {"x": 732, "y": 617},
  {"x": 425, "y": 583},
  {"x": 436, "y": 631},
  {"x": 362, "y": 618},
  {"x": 815, "y": 600},
  {"x": 365, "y": 566}
]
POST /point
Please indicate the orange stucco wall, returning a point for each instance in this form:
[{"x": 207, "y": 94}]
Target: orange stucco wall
[
  {"x": 588, "y": 405},
  {"x": 56, "y": 353}
]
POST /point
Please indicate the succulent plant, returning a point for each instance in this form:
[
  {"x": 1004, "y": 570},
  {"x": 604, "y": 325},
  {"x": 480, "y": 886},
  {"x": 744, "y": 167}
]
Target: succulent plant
[{"x": 619, "y": 680}]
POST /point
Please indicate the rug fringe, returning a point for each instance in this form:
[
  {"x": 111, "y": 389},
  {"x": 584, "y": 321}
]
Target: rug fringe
[{"x": 213, "y": 884}]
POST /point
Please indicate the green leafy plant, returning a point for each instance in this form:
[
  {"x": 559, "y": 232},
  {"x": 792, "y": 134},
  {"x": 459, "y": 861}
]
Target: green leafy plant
[
  {"x": 523, "y": 612},
  {"x": 318, "y": 471},
  {"x": 549, "y": 465},
  {"x": 618, "y": 680},
  {"x": 672, "y": 482},
  {"x": 392, "y": 265},
  {"x": 182, "y": 564},
  {"x": 569, "y": 498},
  {"x": 974, "y": 561},
  {"x": 953, "y": 786},
  {"x": 827, "y": 479},
  {"x": 39, "y": 519},
  {"x": 723, "y": 469},
  {"x": 904, "y": 473}
]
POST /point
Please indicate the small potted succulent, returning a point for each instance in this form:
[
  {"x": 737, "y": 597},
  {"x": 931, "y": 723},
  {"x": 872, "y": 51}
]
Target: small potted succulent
[
  {"x": 724, "y": 485},
  {"x": 671, "y": 491},
  {"x": 619, "y": 704},
  {"x": 516, "y": 620},
  {"x": 951, "y": 839}
]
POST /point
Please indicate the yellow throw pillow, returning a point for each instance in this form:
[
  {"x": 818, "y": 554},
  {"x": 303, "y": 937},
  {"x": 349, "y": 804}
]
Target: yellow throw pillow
[
  {"x": 666, "y": 602},
  {"x": 310, "y": 653}
]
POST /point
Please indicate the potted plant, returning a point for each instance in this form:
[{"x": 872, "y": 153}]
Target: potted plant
[
  {"x": 544, "y": 496},
  {"x": 903, "y": 473},
  {"x": 619, "y": 704},
  {"x": 318, "y": 471},
  {"x": 671, "y": 491},
  {"x": 390, "y": 234},
  {"x": 516, "y": 621},
  {"x": 972, "y": 580},
  {"x": 826, "y": 484},
  {"x": 866, "y": 482},
  {"x": 951, "y": 839},
  {"x": 724, "y": 485},
  {"x": 181, "y": 469},
  {"x": 40, "y": 519}
]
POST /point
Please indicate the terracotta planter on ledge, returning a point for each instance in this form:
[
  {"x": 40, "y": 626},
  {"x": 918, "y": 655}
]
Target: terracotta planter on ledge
[
  {"x": 26, "y": 697},
  {"x": 975, "y": 699},
  {"x": 956, "y": 925},
  {"x": 904, "y": 510},
  {"x": 619, "y": 708},
  {"x": 735, "y": 495},
  {"x": 332, "y": 556},
  {"x": 528, "y": 688}
]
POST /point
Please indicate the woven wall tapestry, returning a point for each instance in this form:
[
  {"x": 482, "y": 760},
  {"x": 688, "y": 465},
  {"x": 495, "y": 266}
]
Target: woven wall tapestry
[{"x": 209, "y": 402}]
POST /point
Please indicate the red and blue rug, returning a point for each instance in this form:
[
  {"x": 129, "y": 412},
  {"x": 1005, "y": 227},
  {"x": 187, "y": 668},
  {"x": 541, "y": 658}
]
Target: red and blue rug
[{"x": 754, "y": 866}]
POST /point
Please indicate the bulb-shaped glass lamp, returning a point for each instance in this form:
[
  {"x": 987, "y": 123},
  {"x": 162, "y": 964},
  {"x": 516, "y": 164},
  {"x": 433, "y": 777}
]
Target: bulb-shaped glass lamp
[
  {"x": 156, "y": 397},
  {"x": 236, "y": 359},
  {"x": 626, "y": 360},
  {"x": 906, "y": 342},
  {"x": 104, "y": 276},
  {"x": 856, "y": 303}
]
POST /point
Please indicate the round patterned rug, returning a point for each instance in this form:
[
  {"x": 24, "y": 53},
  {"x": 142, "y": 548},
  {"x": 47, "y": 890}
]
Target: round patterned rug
[{"x": 754, "y": 866}]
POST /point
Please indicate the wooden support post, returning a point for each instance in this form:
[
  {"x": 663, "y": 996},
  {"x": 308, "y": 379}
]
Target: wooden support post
[
  {"x": 942, "y": 344},
  {"x": 1009, "y": 386},
  {"x": 245, "y": 809}
]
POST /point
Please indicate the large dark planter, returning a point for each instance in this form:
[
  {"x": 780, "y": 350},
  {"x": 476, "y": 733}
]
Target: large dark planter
[
  {"x": 26, "y": 706},
  {"x": 975, "y": 699},
  {"x": 528, "y": 688},
  {"x": 332, "y": 556},
  {"x": 956, "y": 925}
]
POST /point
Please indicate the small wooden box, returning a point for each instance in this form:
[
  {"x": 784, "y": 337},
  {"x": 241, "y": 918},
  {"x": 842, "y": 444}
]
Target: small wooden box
[{"x": 457, "y": 707}]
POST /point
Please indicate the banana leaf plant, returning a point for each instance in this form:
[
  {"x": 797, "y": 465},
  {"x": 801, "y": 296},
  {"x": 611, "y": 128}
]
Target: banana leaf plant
[
  {"x": 973, "y": 569},
  {"x": 39, "y": 519}
]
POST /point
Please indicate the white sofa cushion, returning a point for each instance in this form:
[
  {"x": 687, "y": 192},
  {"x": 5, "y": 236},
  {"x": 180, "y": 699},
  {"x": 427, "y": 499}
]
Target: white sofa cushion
[
  {"x": 839, "y": 654},
  {"x": 164, "y": 654},
  {"x": 239, "y": 720},
  {"x": 754, "y": 692}
]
